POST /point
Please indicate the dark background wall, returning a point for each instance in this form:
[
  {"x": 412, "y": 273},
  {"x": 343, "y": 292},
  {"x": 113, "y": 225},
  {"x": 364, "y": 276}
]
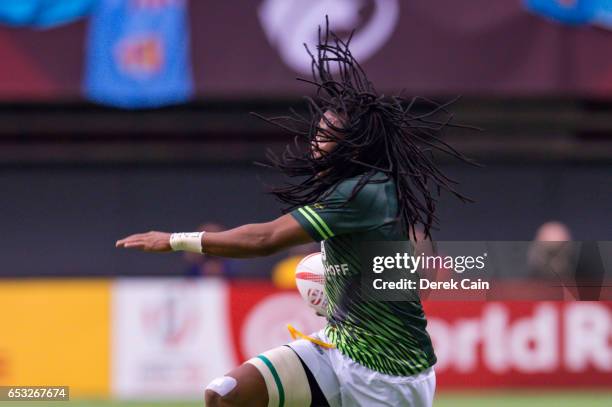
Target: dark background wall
[{"x": 64, "y": 220}]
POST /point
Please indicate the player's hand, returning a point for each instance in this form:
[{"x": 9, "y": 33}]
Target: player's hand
[{"x": 147, "y": 242}]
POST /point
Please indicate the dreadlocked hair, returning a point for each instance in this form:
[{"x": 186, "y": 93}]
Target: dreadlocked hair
[{"x": 372, "y": 133}]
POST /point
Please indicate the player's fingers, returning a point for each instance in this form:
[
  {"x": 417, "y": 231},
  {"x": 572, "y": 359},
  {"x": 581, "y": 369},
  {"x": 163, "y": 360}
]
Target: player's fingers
[
  {"x": 121, "y": 243},
  {"x": 132, "y": 241},
  {"x": 135, "y": 245},
  {"x": 131, "y": 238}
]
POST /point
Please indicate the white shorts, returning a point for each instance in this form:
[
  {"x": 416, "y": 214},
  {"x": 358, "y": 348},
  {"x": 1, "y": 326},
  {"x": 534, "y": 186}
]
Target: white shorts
[{"x": 347, "y": 383}]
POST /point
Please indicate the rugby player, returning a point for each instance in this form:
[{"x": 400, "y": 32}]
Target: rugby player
[{"x": 366, "y": 174}]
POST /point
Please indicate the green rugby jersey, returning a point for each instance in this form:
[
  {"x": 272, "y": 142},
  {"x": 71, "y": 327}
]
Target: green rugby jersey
[{"x": 385, "y": 336}]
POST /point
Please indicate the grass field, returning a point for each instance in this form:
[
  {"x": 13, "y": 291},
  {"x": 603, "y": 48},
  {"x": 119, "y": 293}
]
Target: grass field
[{"x": 507, "y": 399}]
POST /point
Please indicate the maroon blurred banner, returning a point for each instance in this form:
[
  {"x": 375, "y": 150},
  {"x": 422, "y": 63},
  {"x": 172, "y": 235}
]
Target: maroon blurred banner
[{"x": 252, "y": 49}]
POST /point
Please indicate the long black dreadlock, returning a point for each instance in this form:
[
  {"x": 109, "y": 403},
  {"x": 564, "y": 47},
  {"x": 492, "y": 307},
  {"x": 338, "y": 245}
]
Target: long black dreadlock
[{"x": 373, "y": 134}]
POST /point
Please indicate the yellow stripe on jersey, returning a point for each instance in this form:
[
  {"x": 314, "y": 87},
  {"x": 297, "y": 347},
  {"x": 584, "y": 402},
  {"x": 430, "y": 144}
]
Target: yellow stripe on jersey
[
  {"x": 321, "y": 221},
  {"x": 313, "y": 223}
]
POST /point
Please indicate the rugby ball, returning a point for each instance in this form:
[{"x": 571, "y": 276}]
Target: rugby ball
[{"x": 310, "y": 282}]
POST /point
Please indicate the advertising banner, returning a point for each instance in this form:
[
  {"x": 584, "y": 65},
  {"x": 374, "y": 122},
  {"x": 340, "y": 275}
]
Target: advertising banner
[
  {"x": 259, "y": 315},
  {"x": 170, "y": 337},
  {"x": 167, "y": 338},
  {"x": 522, "y": 343},
  {"x": 478, "y": 343},
  {"x": 56, "y": 333}
]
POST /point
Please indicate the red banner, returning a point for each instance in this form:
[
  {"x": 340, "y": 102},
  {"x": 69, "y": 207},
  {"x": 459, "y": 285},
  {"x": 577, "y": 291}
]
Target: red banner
[
  {"x": 479, "y": 344},
  {"x": 522, "y": 344},
  {"x": 259, "y": 314}
]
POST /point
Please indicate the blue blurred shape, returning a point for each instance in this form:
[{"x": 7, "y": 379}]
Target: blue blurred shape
[
  {"x": 574, "y": 12},
  {"x": 44, "y": 13},
  {"x": 603, "y": 15},
  {"x": 138, "y": 54}
]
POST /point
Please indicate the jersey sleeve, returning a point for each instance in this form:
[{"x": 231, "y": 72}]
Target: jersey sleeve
[{"x": 334, "y": 216}]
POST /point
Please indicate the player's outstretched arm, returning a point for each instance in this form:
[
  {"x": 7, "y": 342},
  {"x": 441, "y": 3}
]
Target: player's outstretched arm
[{"x": 253, "y": 240}]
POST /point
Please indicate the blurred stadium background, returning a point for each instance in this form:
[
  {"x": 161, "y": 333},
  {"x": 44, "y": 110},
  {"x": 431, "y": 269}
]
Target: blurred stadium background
[{"x": 118, "y": 116}]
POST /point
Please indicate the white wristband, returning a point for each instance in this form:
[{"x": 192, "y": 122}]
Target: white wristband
[{"x": 188, "y": 242}]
